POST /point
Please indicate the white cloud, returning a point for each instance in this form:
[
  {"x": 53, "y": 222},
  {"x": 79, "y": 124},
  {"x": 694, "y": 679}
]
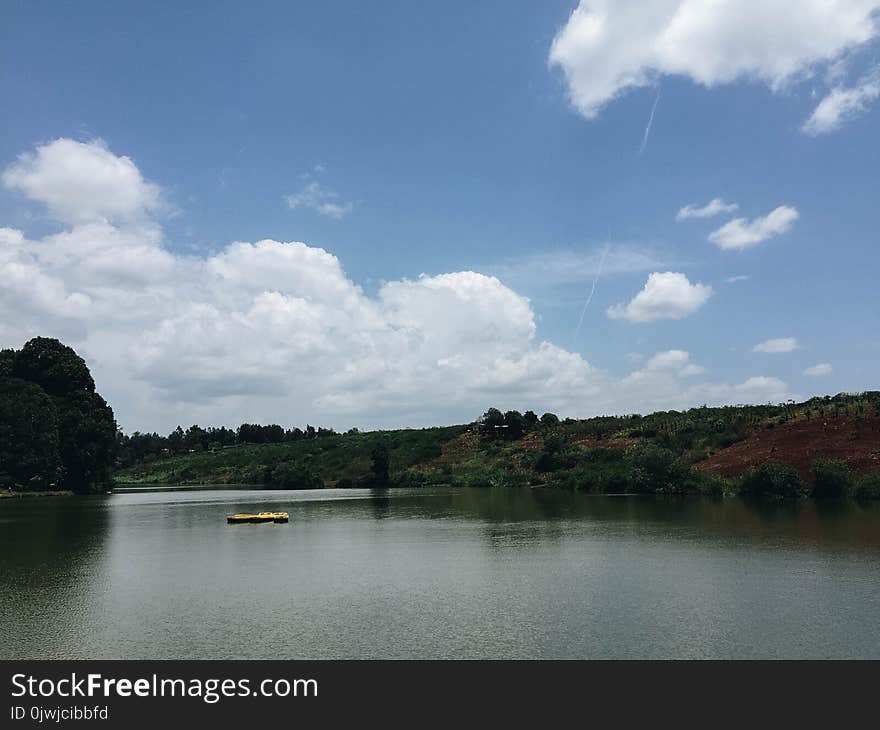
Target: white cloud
[
  {"x": 735, "y": 279},
  {"x": 842, "y": 104},
  {"x": 83, "y": 181},
  {"x": 816, "y": 371},
  {"x": 712, "y": 208},
  {"x": 675, "y": 361},
  {"x": 274, "y": 331},
  {"x": 741, "y": 233},
  {"x": 666, "y": 295},
  {"x": 317, "y": 198},
  {"x": 779, "y": 345},
  {"x": 610, "y": 46}
]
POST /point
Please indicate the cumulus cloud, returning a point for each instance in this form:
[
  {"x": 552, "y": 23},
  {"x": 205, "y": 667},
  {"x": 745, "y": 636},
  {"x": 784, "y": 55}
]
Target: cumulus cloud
[
  {"x": 817, "y": 371},
  {"x": 843, "y": 103},
  {"x": 610, "y": 46},
  {"x": 742, "y": 233},
  {"x": 712, "y": 208},
  {"x": 675, "y": 361},
  {"x": 667, "y": 295},
  {"x": 321, "y": 200},
  {"x": 779, "y": 345},
  {"x": 667, "y": 381},
  {"x": 83, "y": 181},
  {"x": 276, "y": 331}
]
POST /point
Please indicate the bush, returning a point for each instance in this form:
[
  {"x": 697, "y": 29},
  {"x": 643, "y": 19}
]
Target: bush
[
  {"x": 773, "y": 480},
  {"x": 711, "y": 485},
  {"x": 255, "y": 474},
  {"x": 832, "y": 480},
  {"x": 409, "y": 479},
  {"x": 654, "y": 469},
  {"x": 868, "y": 487},
  {"x": 288, "y": 475}
]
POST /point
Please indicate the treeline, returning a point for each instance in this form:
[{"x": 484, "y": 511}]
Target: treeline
[
  {"x": 140, "y": 447},
  {"x": 56, "y": 432},
  {"x": 659, "y": 453}
]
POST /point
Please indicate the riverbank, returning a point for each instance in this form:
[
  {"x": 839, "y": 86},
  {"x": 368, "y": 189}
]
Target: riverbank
[
  {"x": 826, "y": 447},
  {"x": 7, "y": 494}
]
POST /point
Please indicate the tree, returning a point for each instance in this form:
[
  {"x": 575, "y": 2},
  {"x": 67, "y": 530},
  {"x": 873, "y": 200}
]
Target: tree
[
  {"x": 288, "y": 475},
  {"x": 832, "y": 480},
  {"x": 515, "y": 424},
  {"x": 549, "y": 419},
  {"x": 531, "y": 419},
  {"x": 80, "y": 427},
  {"x": 7, "y": 362},
  {"x": 773, "y": 479},
  {"x": 29, "y": 456},
  {"x": 55, "y": 367},
  {"x": 381, "y": 461},
  {"x": 654, "y": 468},
  {"x": 87, "y": 440},
  {"x": 491, "y": 422}
]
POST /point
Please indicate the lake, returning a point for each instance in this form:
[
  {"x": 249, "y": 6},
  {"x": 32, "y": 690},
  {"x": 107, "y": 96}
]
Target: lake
[{"x": 436, "y": 573}]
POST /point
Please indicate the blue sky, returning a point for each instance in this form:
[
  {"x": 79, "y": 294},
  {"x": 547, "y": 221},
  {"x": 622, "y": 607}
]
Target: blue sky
[{"x": 408, "y": 139}]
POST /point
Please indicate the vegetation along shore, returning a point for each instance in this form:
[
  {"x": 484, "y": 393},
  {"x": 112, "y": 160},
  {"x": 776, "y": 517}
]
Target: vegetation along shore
[{"x": 57, "y": 433}]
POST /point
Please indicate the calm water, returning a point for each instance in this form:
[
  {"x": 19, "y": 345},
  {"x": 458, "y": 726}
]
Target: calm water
[{"x": 435, "y": 573}]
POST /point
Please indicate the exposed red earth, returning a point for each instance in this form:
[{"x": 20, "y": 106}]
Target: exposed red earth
[{"x": 847, "y": 438}]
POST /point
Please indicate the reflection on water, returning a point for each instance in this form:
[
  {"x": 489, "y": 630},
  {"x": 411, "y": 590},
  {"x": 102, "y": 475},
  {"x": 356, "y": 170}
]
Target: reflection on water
[{"x": 436, "y": 573}]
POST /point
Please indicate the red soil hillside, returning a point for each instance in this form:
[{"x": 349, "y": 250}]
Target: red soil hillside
[{"x": 800, "y": 443}]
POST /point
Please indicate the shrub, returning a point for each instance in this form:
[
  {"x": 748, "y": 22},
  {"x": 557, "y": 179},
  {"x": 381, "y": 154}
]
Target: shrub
[
  {"x": 774, "y": 480},
  {"x": 654, "y": 469},
  {"x": 868, "y": 487},
  {"x": 409, "y": 479},
  {"x": 697, "y": 482},
  {"x": 832, "y": 480},
  {"x": 288, "y": 475}
]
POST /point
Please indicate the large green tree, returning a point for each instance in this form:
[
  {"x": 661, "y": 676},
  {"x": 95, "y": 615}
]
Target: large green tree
[
  {"x": 55, "y": 367},
  {"x": 51, "y": 416},
  {"x": 87, "y": 440},
  {"x": 29, "y": 455}
]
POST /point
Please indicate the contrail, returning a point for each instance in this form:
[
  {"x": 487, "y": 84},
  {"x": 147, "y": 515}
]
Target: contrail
[
  {"x": 650, "y": 122},
  {"x": 592, "y": 290}
]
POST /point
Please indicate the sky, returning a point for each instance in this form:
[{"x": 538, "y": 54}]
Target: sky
[{"x": 400, "y": 214}]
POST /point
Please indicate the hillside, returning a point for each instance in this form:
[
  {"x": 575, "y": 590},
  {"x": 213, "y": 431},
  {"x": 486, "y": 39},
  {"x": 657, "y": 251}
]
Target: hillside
[
  {"x": 849, "y": 439},
  {"x": 703, "y": 450}
]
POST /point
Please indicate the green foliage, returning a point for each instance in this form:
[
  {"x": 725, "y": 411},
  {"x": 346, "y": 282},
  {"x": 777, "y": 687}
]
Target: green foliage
[
  {"x": 656, "y": 453},
  {"x": 654, "y": 468},
  {"x": 867, "y": 487},
  {"x": 29, "y": 456},
  {"x": 410, "y": 479},
  {"x": 514, "y": 424},
  {"x": 289, "y": 475},
  {"x": 87, "y": 440},
  {"x": 490, "y": 422},
  {"x": 54, "y": 426},
  {"x": 832, "y": 480},
  {"x": 7, "y": 362},
  {"x": 381, "y": 465},
  {"x": 55, "y": 367},
  {"x": 772, "y": 480}
]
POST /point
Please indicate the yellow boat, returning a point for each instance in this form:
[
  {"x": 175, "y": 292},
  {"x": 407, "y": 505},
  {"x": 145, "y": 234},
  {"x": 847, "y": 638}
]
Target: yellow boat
[{"x": 259, "y": 517}]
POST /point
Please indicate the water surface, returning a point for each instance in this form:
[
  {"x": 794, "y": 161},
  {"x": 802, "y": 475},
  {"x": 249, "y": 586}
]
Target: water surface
[{"x": 436, "y": 573}]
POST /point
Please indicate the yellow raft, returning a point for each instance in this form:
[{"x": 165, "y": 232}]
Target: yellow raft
[{"x": 259, "y": 517}]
